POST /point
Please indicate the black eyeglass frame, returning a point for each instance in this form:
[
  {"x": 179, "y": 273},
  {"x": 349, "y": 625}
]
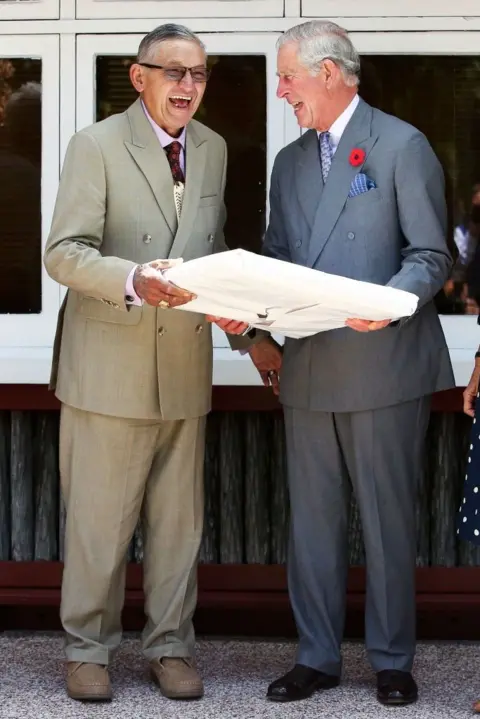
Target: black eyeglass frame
[{"x": 184, "y": 70}]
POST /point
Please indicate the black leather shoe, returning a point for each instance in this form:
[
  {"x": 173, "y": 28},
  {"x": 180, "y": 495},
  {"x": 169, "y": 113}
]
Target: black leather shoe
[
  {"x": 300, "y": 683},
  {"x": 396, "y": 688}
]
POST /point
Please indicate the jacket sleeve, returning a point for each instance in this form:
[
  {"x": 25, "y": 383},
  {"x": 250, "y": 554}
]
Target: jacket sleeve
[
  {"x": 73, "y": 252},
  {"x": 420, "y": 190},
  {"x": 276, "y": 242}
]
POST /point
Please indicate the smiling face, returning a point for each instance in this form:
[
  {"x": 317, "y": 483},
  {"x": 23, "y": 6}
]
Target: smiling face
[
  {"x": 317, "y": 100},
  {"x": 170, "y": 102}
]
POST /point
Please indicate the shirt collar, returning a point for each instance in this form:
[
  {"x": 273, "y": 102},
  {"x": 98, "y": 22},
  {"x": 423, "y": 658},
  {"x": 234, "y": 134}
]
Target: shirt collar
[
  {"x": 163, "y": 137},
  {"x": 338, "y": 127}
]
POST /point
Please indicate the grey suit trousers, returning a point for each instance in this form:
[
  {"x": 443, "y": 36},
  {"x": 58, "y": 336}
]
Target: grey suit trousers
[{"x": 379, "y": 454}]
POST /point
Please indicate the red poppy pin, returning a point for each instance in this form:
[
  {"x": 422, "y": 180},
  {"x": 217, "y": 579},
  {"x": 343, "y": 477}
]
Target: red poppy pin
[{"x": 357, "y": 156}]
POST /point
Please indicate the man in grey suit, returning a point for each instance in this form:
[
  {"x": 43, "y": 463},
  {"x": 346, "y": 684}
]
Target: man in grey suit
[{"x": 361, "y": 194}]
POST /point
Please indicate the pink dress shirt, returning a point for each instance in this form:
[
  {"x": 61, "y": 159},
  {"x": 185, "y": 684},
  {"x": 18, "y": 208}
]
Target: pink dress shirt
[{"x": 131, "y": 297}]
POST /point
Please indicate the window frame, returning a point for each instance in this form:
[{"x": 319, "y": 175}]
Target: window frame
[
  {"x": 385, "y": 8},
  {"x": 38, "y": 10},
  {"x": 117, "y": 9},
  {"x": 26, "y": 346},
  {"x": 25, "y": 349}
]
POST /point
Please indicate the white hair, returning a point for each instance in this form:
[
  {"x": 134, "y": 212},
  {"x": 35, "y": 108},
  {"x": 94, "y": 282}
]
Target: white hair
[{"x": 319, "y": 40}]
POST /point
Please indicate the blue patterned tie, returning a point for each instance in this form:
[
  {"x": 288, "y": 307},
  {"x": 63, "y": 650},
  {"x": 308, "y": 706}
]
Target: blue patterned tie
[{"x": 325, "y": 154}]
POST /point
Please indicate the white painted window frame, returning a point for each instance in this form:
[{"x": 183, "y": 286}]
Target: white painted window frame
[
  {"x": 29, "y": 10},
  {"x": 26, "y": 340},
  {"x": 159, "y": 9},
  {"x": 389, "y": 8}
]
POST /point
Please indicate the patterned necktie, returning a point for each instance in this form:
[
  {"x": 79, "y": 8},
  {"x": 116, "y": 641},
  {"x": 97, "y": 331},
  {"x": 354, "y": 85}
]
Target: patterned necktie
[
  {"x": 173, "y": 151},
  {"x": 325, "y": 154}
]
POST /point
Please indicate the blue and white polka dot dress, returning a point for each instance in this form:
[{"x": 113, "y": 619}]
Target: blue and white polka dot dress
[{"x": 469, "y": 514}]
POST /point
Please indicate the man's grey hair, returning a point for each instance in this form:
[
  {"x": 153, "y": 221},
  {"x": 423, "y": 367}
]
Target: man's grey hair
[
  {"x": 319, "y": 40},
  {"x": 170, "y": 31}
]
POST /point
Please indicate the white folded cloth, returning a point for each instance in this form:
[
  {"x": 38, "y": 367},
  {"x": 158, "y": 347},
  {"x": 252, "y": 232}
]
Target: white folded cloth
[{"x": 287, "y": 299}]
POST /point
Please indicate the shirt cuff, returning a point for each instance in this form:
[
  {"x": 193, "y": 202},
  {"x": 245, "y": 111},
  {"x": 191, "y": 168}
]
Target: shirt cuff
[
  {"x": 251, "y": 333},
  {"x": 131, "y": 297}
]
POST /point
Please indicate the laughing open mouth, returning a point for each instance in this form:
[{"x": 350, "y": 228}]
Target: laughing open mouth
[
  {"x": 181, "y": 101},
  {"x": 297, "y": 106}
]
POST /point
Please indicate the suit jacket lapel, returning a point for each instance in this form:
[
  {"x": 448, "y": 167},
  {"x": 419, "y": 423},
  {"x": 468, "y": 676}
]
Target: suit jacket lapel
[
  {"x": 195, "y": 157},
  {"x": 357, "y": 134},
  {"x": 308, "y": 175},
  {"x": 148, "y": 154}
]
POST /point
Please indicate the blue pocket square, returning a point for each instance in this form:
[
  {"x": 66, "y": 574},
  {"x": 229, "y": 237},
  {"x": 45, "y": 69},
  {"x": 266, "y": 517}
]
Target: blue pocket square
[{"x": 361, "y": 183}]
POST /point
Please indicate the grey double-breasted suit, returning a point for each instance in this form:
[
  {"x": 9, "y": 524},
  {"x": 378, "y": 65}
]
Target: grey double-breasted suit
[{"x": 356, "y": 404}]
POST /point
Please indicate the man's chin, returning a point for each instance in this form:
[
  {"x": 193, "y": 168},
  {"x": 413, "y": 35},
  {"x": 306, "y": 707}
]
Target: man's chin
[
  {"x": 180, "y": 118},
  {"x": 304, "y": 123}
]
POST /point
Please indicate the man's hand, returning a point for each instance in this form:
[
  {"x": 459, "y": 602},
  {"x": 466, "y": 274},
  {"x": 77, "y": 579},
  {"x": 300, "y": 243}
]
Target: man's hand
[
  {"x": 470, "y": 393},
  {"x": 367, "y": 325},
  {"x": 267, "y": 357},
  {"x": 232, "y": 327},
  {"x": 153, "y": 288}
]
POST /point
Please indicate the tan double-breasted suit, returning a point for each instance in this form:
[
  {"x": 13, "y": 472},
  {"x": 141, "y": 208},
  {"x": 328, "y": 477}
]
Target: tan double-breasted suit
[{"x": 134, "y": 381}]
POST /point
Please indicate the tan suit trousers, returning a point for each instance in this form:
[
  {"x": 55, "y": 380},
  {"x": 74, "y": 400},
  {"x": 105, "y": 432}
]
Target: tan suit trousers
[{"x": 113, "y": 471}]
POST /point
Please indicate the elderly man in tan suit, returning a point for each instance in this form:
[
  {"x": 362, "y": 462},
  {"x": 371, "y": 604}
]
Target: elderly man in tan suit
[{"x": 134, "y": 376}]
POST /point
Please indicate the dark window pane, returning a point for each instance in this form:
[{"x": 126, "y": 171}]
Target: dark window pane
[
  {"x": 234, "y": 106},
  {"x": 20, "y": 186},
  {"x": 441, "y": 96}
]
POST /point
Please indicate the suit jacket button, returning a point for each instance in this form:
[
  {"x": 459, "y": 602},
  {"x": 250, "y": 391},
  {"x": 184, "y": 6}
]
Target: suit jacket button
[
  {"x": 147, "y": 239},
  {"x": 351, "y": 235},
  {"x": 199, "y": 329},
  {"x": 298, "y": 243},
  {"x": 211, "y": 238},
  {"x": 161, "y": 331}
]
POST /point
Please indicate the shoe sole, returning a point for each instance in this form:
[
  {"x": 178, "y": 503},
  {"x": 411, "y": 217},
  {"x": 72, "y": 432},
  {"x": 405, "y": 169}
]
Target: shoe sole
[
  {"x": 286, "y": 700},
  {"x": 90, "y": 697},
  {"x": 397, "y": 702},
  {"x": 187, "y": 695}
]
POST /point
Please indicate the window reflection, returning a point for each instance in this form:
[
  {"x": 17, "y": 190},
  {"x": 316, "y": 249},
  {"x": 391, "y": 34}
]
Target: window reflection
[
  {"x": 234, "y": 106},
  {"x": 20, "y": 186},
  {"x": 441, "y": 96}
]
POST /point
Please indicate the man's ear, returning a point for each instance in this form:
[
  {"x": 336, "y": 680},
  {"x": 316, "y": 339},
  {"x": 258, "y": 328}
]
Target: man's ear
[
  {"x": 136, "y": 77},
  {"x": 330, "y": 71}
]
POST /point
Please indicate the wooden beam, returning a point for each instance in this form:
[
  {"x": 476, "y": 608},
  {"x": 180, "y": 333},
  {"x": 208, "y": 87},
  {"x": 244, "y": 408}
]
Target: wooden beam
[
  {"x": 225, "y": 398},
  {"x": 243, "y": 580}
]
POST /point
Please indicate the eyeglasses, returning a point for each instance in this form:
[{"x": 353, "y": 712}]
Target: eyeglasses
[{"x": 198, "y": 74}]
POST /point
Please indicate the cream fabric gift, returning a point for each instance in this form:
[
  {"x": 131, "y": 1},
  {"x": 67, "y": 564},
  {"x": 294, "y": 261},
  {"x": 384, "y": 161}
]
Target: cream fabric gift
[{"x": 287, "y": 299}]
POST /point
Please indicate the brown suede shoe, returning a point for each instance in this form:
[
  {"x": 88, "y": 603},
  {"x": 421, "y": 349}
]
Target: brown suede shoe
[
  {"x": 88, "y": 682},
  {"x": 177, "y": 678}
]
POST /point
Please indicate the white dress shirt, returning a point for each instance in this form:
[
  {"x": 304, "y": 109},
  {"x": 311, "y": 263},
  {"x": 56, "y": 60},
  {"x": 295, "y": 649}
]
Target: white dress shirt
[{"x": 338, "y": 127}]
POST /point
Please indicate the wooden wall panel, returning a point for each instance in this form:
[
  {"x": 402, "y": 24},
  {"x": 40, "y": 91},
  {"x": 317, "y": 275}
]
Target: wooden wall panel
[{"x": 246, "y": 512}]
